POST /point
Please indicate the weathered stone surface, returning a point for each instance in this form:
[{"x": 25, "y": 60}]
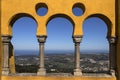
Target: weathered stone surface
[{"x": 42, "y": 70}]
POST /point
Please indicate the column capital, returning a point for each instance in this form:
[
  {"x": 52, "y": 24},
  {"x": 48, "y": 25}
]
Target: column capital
[
  {"x": 112, "y": 40},
  {"x": 6, "y": 38},
  {"x": 77, "y": 39},
  {"x": 41, "y": 39}
]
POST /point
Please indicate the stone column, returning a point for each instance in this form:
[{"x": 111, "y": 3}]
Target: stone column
[
  {"x": 77, "y": 70},
  {"x": 112, "y": 55},
  {"x": 6, "y": 50},
  {"x": 42, "y": 70}
]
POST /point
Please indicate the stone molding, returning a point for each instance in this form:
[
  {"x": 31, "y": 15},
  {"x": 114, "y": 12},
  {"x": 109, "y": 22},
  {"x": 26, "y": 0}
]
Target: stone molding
[
  {"x": 77, "y": 39},
  {"x": 42, "y": 39},
  {"x": 112, "y": 40},
  {"x": 6, "y": 38}
]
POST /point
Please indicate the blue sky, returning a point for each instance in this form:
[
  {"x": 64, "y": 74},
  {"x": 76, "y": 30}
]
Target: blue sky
[{"x": 60, "y": 35}]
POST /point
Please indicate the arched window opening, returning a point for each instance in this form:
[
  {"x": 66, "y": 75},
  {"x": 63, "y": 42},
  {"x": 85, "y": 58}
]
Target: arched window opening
[
  {"x": 26, "y": 47},
  {"x": 59, "y": 46},
  {"x": 95, "y": 46}
]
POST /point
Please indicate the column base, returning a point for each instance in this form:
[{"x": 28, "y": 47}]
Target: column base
[
  {"x": 5, "y": 71},
  {"x": 77, "y": 72},
  {"x": 112, "y": 72},
  {"x": 41, "y": 72}
]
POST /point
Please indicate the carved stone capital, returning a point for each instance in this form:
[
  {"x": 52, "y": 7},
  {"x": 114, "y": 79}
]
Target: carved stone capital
[
  {"x": 6, "y": 38},
  {"x": 41, "y": 39},
  {"x": 77, "y": 39},
  {"x": 112, "y": 40}
]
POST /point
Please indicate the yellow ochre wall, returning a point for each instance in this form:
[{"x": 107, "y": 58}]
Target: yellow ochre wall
[
  {"x": 0, "y": 44},
  {"x": 13, "y": 9},
  {"x": 55, "y": 78}
]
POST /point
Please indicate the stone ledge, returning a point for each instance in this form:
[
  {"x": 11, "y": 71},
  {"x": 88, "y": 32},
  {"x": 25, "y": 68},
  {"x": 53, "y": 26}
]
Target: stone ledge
[{"x": 64, "y": 75}]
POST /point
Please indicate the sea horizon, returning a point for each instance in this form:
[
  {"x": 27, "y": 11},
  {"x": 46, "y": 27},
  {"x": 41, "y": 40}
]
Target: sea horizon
[{"x": 36, "y": 52}]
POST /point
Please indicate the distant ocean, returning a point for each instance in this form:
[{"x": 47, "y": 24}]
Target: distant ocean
[{"x": 36, "y": 52}]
